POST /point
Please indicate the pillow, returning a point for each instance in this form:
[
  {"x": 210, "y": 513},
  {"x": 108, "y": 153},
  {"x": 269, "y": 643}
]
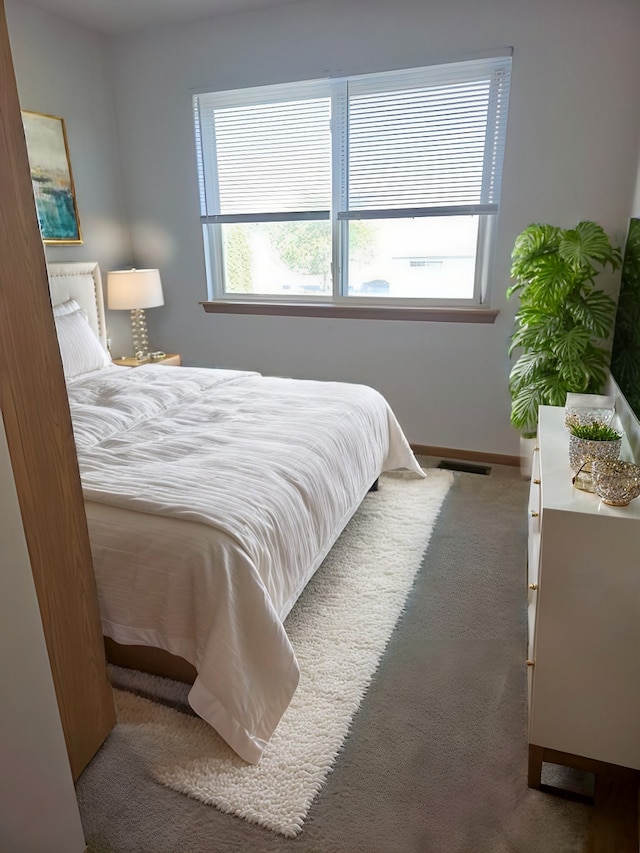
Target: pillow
[
  {"x": 67, "y": 307},
  {"x": 80, "y": 349}
]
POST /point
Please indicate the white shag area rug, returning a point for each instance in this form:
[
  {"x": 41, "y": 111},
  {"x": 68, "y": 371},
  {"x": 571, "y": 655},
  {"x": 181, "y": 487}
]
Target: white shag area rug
[{"x": 339, "y": 629}]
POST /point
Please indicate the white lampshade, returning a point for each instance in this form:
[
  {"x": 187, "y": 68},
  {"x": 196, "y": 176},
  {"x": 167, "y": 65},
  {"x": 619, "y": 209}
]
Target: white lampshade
[{"x": 131, "y": 289}]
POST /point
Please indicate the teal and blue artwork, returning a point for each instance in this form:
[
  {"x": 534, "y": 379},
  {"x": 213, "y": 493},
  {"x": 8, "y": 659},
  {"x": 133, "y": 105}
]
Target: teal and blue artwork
[{"x": 51, "y": 178}]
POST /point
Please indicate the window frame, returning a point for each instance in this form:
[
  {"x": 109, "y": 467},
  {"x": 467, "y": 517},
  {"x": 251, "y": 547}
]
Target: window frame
[{"x": 476, "y": 308}]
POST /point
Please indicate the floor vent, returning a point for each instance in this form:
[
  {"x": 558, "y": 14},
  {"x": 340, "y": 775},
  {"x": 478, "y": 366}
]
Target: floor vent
[{"x": 467, "y": 467}]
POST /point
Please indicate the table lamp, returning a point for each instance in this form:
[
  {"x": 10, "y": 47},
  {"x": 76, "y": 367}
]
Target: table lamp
[{"x": 135, "y": 290}]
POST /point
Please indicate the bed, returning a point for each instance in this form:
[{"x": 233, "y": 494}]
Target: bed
[{"x": 212, "y": 496}]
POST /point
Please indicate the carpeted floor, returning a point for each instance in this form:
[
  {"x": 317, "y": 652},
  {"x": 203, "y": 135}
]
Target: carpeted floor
[
  {"x": 436, "y": 758},
  {"x": 339, "y": 630}
]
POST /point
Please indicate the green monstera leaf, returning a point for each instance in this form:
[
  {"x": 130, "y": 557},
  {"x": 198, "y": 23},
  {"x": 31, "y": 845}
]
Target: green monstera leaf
[
  {"x": 587, "y": 244},
  {"x": 594, "y": 310}
]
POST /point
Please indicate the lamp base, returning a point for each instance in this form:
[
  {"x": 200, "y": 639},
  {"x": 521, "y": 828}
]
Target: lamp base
[{"x": 139, "y": 334}]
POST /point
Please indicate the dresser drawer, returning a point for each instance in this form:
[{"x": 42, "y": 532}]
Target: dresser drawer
[
  {"x": 534, "y": 511},
  {"x": 583, "y": 594}
]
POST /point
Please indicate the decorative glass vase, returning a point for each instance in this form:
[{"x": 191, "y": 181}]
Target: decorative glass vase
[
  {"x": 582, "y": 451},
  {"x": 616, "y": 483},
  {"x": 589, "y": 408}
]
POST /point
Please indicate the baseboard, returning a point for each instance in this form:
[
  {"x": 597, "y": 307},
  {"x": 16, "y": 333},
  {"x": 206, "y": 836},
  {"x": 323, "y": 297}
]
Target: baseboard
[{"x": 470, "y": 455}]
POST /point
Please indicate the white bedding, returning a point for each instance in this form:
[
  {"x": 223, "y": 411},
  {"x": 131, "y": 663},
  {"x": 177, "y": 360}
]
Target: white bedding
[{"x": 212, "y": 497}]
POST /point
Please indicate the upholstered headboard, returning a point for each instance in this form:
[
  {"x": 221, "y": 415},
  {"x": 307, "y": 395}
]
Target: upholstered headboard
[{"x": 80, "y": 281}]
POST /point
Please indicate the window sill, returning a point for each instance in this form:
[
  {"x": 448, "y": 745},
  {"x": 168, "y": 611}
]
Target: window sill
[{"x": 352, "y": 312}]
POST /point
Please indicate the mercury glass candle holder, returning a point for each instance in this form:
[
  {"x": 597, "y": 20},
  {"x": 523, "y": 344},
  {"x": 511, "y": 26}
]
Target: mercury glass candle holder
[
  {"x": 589, "y": 408},
  {"x": 615, "y": 482}
]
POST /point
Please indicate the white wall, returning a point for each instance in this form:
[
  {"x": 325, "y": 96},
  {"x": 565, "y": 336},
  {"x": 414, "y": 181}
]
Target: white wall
[
  {"x": 572, "y": 149},
  {"x": 571, "y": 154},
  {"x": 38, "y": 808},
  {"x": 62, "y": 69}
]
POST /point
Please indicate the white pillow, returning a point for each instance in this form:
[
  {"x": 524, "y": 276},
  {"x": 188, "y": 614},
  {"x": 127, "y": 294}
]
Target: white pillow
[
  {"x": 80, "y": 348},
  {"x": 67, "y": 307}
]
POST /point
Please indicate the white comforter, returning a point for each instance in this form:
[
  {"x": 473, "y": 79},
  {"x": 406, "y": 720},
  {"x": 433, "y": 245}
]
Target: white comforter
[{"x": 240, "y": 485}]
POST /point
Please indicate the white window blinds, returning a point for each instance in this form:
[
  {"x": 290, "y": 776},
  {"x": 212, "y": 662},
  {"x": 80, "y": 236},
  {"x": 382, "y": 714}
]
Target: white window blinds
[
  {"x": 428, "y": 141},
  {"x": 423, "y": 142},
  {"x": 258, "y": 161}
]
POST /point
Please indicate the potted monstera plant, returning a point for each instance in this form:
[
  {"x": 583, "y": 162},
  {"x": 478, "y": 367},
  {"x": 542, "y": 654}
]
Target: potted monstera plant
[{"x": 563, "y": 320}]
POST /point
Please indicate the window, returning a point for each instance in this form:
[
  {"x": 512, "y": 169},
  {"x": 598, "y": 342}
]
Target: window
[{"x": 380, "y": 188}]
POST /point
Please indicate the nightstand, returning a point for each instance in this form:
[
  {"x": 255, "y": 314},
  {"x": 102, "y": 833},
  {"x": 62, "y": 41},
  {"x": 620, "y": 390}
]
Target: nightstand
[{"x": 170, "y": 358}]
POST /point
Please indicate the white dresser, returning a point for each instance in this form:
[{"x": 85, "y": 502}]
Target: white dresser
[{"x": 583, "y": 615}]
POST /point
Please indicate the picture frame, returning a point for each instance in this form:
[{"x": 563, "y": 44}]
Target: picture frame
[{"x": 51, "y": 176}]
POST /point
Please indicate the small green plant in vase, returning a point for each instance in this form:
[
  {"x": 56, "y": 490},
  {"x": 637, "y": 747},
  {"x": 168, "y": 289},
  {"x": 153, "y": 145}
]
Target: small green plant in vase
[
  {"x": 594, "y": 431},
  {"x": 587, "y": 442}
]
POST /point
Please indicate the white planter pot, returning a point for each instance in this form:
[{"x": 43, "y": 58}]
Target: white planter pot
[
  {"x": 527, "y": 446},
  {"x": 582, "y": 452}
]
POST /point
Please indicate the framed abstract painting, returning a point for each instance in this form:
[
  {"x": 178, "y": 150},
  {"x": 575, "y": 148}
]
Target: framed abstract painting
[{"x": 51, "y": 177}]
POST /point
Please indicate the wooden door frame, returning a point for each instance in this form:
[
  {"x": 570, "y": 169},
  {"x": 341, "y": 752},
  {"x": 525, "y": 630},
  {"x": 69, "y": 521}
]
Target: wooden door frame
[{"x": 35, "y": 410}]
